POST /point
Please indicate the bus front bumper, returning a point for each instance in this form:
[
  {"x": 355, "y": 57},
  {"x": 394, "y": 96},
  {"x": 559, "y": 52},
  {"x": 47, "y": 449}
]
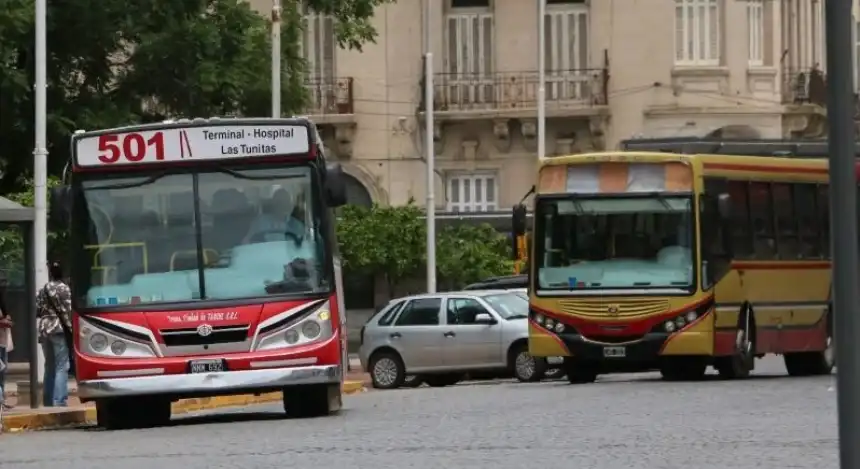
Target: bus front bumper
[{"x": 181, "y": 386}]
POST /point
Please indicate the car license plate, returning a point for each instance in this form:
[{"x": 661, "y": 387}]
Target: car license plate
[
  {"x": 206, "y": 366},
  {"x": 615, "y": 352},
  {"x": 555, "y": 360}
]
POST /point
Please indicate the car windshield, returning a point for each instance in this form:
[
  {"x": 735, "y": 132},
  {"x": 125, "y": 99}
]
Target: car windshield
[
  {"x": 614, "y": 243},
  {"x": 509, "y": 305},
  {"x": 222, "y": 234}
]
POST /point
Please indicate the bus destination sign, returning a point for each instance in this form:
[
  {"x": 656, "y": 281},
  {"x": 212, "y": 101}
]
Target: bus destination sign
[{"x": 173, "y": 144}]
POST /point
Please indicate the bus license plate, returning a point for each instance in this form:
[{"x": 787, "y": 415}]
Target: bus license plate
[
  {"x": 555, "y": 360},
  {"x": 206, "y": 366},
  {"x": 615, "y": 352}
]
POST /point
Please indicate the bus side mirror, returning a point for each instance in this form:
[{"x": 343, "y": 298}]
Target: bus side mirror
[
  {"x": 724, "y": 206},
  {"x": 59, "y": 207},
  {"x": 518, "y": 220},
  {"x": 335, "y": 185}
]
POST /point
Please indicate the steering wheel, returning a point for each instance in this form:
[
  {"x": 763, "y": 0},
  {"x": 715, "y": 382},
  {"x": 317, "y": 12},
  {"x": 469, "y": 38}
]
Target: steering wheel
[{"x": 260, "y": 236}]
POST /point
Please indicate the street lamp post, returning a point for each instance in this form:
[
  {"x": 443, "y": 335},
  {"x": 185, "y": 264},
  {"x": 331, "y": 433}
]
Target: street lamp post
[
  {"x": 276, "y": 58},
  {"x": 429, "y": 150}
]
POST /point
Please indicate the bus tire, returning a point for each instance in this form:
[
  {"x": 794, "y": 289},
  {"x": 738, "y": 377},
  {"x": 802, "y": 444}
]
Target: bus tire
[
  {"x": 313, "y": 400},
  {"x": 740, "y": 364},
  {"x": 524, "y": 367},
  {"x": 136, "y": 412},
  {"x": 813, "y": 363}
]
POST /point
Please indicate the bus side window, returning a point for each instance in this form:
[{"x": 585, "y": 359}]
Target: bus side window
[
  {"x": 741, "y": 226},
  {"x": 787, "y": 243},
  {"x": 805, "y": 216},
  {"x": 763, "y": 221},
  {"x": 824, "y": 219}
]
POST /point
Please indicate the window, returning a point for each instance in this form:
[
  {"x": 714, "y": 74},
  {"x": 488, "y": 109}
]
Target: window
[
  {"x": 469, "y": 54},
  {"x": 761, "y": 215},
  {"x": 318, "y": 46},
  {"x": 566, "y": 37},
  {"x": 389, "y": 314},
  {"x": 463, "y": 311},
  {"x": 420, "y": 312},
  {"x": 755, "y": 31},
  {"x": 472, "y": 193},
  {"x": 697, "y": 32},
  {"x": 824, "y": 219},
  {"x": 788, "y": 244},
  {"x": 807, "y": 220},
  {"x": 803, "y": 35},
  {"x": 741, "y": 233}
]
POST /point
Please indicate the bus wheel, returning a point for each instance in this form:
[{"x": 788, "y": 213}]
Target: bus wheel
[
  {"x": 580, "y": 372},
  {"x": 137, "y": 412},
  {"x": 683, "y": 368},
  {"x": 525, "y": 367},
  {"x": 315, "y": 400},
  {"x": 742, "y": 361},
  {"x": 812, "y": 363},
  {"x": 387, "y": 370}
]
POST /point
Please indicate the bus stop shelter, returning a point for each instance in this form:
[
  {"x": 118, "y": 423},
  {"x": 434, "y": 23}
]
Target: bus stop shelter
[{"x": 13, "y": 214}]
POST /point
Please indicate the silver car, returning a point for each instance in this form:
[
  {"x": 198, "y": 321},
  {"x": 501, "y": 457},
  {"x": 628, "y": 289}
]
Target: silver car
[{"x": 437, "y": 338}]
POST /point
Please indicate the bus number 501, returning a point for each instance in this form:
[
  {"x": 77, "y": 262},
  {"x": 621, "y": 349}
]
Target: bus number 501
[{"x": 132, "y": 147}]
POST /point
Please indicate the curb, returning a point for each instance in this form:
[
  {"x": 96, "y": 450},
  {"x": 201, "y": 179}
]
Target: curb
[{"x": 43, "y": 421}]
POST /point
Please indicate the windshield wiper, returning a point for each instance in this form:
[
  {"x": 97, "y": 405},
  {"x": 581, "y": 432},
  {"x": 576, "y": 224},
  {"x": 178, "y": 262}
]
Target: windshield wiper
[
  {"x": 641, "y": 284},
  {"x": 238, "y": 175}
]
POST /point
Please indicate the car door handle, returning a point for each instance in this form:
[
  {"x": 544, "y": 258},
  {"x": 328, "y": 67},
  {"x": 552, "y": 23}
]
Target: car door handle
[
  {"x": 395, "y": 335},
  {"x": 449, "y": 334}
]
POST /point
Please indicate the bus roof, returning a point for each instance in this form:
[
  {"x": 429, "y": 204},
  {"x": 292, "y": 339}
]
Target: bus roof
[
  {"x": 740, "y": 147},
  {"x": 192, "y": 140}
]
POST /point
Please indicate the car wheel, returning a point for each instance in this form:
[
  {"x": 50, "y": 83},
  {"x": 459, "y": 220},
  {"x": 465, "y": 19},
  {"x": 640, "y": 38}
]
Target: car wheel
[
  {"x": 387, "y": 370},
  {"x": 526, "y": 368}
]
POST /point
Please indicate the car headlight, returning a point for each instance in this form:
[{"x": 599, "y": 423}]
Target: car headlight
[
  {"x": 96, "y": 341},
  {"x": 314, "y": 327}
]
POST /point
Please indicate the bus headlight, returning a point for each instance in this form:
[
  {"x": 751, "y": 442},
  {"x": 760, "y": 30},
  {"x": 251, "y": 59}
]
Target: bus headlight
[
  {"x": 314, "y": 327},
  {"x": 96, "y": 341}
]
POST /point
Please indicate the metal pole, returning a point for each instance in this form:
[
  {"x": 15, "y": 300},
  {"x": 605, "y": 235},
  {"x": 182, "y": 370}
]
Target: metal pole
[
  {"x": 276, "y": 58},
  {"x": 32, "y": 328},
  {"x": 843, "y": 223},
  {"x": 40, "y": 172},
  {"x": 430, "y": 151},
  {"x": 541, "y": 105}
]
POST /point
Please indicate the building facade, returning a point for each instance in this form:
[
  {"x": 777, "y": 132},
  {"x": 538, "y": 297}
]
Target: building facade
[{"x": 615, "y": 69}]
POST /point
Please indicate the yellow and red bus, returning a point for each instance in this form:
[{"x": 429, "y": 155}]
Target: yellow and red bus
[{"x": 676, "y": 255}]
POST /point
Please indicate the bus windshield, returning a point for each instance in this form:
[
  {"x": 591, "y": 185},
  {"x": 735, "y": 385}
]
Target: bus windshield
[
  {"x": 638, "y": 242},
  {"x": 218, "y": 234}
]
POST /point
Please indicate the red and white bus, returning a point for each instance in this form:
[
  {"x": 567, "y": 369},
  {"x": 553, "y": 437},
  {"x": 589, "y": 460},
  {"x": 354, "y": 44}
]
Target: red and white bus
[{"x": 203, "y": 262}]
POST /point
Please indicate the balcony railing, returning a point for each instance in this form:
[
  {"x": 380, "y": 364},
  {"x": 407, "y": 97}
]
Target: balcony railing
[
  {"x": 565, "y": 89},
  {"x": 804, "y": 86},
  {"x": 329, "y": 96}
]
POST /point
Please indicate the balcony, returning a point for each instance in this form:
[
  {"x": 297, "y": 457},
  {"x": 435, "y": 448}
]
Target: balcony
[
  {"x": 804, "y": 86},
  {"x": 505, "y": 94},
  {"x": 330, "y": 100}
]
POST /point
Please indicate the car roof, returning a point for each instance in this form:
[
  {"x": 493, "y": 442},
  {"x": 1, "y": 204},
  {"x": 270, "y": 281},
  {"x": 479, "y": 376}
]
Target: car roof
[{"x": 485, "y": 292}]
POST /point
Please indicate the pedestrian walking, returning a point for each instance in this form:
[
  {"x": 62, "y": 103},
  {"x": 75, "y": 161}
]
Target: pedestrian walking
[
  {"x": 6, "y": 344},
  {"x": 54, "y": 309}
]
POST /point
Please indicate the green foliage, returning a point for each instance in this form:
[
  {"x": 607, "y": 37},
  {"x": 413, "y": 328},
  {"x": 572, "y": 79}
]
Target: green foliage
[
  {"x": 468, "y": 254},
  {"x": 388, "y": 241},
  {"x": 12, "y": 241},
  {"x": 391, "y": 241},
  {"x": 114, "y": 62}
]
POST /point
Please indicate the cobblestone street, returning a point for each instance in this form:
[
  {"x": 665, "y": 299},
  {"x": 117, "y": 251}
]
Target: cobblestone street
[{"x": 621, "y": 422}]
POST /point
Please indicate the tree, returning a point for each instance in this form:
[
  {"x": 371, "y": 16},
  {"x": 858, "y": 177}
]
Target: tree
[
  {"x": 115, "y": 62},
  {"x": 468, "y": 254},
  {"x": 388, "y": 241}
]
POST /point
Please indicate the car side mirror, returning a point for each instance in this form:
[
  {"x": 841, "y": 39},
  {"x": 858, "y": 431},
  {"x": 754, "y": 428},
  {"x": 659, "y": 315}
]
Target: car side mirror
[
  {"x": 485, "y": 318},
  {"x": 335, "y": 185}
]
